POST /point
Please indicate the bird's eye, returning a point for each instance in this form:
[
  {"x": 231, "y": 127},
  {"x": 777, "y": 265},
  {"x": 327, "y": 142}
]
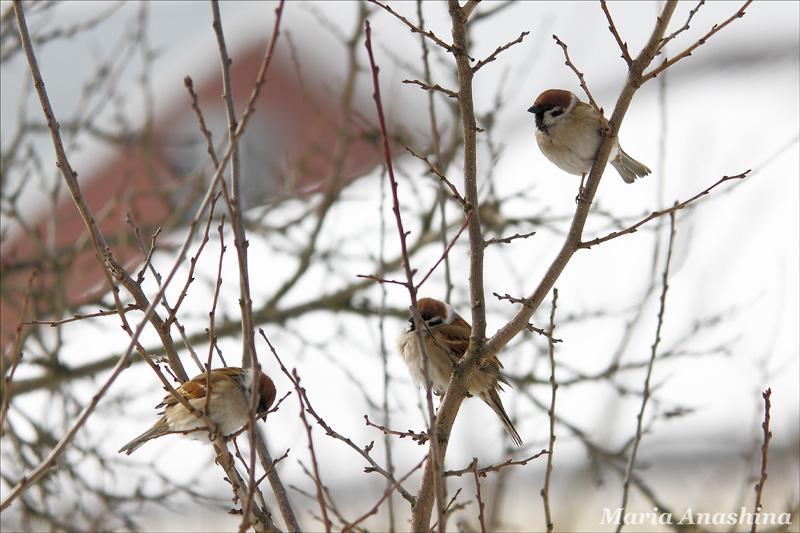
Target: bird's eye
[
  {"x": 435, "y": 321},
  {"x": 556, "y": 112}
]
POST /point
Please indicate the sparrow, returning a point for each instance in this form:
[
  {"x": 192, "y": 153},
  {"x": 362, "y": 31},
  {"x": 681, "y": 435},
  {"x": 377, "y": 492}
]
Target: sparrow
[
  {"x": 569, "y": 133},
  {"x": 446, "y": 337},
  {"x": 228, "y": 406}
]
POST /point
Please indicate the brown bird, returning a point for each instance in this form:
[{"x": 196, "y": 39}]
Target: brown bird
[
  {"x": 228, "y": 406},
  {"x": 569, "y": 133},
  {"x": 446, "y": 337}
]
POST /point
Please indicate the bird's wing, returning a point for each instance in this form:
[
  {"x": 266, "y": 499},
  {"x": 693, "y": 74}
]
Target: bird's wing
[
  {"x": 194, "y": 388},
  {"x": 453, "y": 338}
]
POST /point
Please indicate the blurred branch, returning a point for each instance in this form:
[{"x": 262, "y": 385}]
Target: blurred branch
[
  {"x": 762, "y": 480},
  {"x": 648, "y": 376},
  {"x": 551, "y": 414},
  {"x": 15, "y": 356}
]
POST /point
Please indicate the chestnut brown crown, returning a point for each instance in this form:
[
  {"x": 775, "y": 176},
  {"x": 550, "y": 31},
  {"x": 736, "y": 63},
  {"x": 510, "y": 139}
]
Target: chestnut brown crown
[
  {"x": 266, "y": 393},
  {"x": 551, "y": 98},
  {"x": 433, "y": 312}
]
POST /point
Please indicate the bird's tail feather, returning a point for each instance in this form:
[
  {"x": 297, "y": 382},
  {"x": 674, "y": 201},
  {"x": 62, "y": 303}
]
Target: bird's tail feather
[
  {"x": 158, "y": 429},
  {"x": 492, "y": 399},
  {"x": 628, "y": 167}
]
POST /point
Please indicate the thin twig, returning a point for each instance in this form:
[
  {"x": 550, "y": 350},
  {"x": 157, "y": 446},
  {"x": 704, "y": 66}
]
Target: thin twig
[
  {"x": 364, "y": 452},
  {"x": 648, "y": 376},
  {"x": 435, "y": 87},
  {"x": 493, "y": 55},
  {"x": 762, "y": 480},
  {"x": 386, "y": 494},
  {"x": 382, "y": 280},
  {"x": 419, "y": 438},
  {"x": 212, "y": 336},
  {"x": 692, "y": 13},
  {"x": 578, "y": 73},
  {"x": 16, "y": 353},
  {"x": 551, "y": 414},
  {"x": 701, "y": 41},
  {"x": 446, "y": 251},
  {"x": 623, "y": 46},
  {"x": 74, "y": 318},
  {"x": 507, "y": 240},
  {"x": 524, "y": 301},
  {"x": 413, "y": 27},
  {"x": 476, "y": 477},
  {"x": 495, "y": 468},
  {"x": 655, "y": 214},
  {"x": 456, "y": 195},
  {"x": 436, "y": 149},
  {"x": 301, "y": 393}
]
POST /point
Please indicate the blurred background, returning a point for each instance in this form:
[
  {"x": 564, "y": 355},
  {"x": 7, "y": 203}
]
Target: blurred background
[{"x": 319, "y": 214}]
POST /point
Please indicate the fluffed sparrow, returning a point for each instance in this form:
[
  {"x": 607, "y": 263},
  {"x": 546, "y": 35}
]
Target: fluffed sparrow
[
  {"x": 569, "y": 133},
  {"x": 228, "y": 406},
  {"x": 446, "y": 337}
]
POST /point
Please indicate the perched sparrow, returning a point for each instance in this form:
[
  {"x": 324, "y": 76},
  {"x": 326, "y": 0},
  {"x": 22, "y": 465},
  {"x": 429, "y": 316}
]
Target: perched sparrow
[
  {"x": 228, "y": 406},
  {"x": 568, "y": 132},
  {"x": 446, "y": 337}
]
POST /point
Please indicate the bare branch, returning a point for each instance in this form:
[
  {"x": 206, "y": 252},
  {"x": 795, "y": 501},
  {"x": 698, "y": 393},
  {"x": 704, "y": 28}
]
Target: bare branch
[
  {"x": 413, "y": 27},
  {"x": 655, "y": 214},
  {"x": 507, "y": 240},
  {"x": 419, "y": 438},
  {"x": 74, "y": 318},
  {"x": 623, "y": 46},
  {"x": 495, "y": 468},
  {"x": 686, "y": 53},
  {"x": 447, "y": 249},
  {"x": 363, "y": 452},
  {"x": 16, "y": 354},
  {"x": 648, "y": 376},
  {"x": 382, "y": 280},
  {"x": 386, "y": 494},
  {"x": 455, "y": 194},
  {"x": 551, "y": 414},
  {"x": 762, "y": 480},
  {"x": 478, "y": 498},
  {"x": 434, "y": 87},
  {"x": 493, "y": 55},
  {"x": 692, "y": 13}
]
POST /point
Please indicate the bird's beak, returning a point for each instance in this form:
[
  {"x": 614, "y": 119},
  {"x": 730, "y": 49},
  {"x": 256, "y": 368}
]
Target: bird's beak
[{"x": 533, "y": 109}]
